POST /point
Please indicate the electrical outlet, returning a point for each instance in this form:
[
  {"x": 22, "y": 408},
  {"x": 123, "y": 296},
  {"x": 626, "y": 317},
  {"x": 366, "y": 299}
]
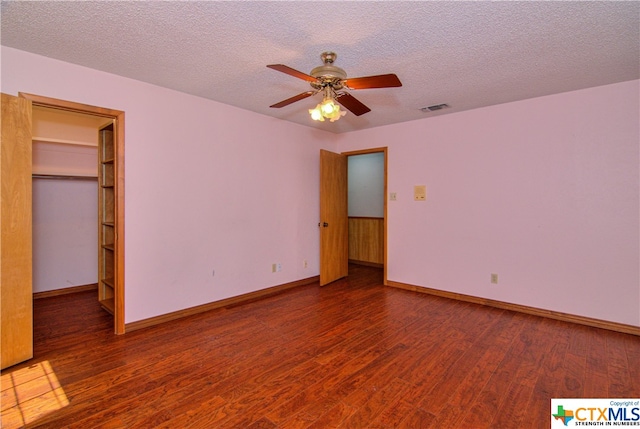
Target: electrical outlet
[
  {"x": 278, "y": 267},
  {"x": 494, "y": 278},
  {"x": 304, "y": 264}
]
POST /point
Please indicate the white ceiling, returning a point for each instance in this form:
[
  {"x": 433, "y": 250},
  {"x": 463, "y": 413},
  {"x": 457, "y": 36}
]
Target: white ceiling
[{"x": 465, "y": 54}]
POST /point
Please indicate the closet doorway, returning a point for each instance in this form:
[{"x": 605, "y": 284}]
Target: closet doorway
[
  {"x": 93, "y": 168},
  {"x": 65, "y": 195}
]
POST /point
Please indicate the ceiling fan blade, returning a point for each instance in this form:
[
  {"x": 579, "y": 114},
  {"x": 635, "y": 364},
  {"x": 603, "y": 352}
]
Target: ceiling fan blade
[
  {"x": 351, "y": 103},
  {"x": 293, "y": 72},
  {"x": 293, "y": 99},
  {"x": 378, "y": 81}
]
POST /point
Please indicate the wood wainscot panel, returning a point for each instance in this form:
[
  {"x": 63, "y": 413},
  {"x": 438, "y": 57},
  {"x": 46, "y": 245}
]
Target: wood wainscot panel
[{"x": 366, "y": 240}]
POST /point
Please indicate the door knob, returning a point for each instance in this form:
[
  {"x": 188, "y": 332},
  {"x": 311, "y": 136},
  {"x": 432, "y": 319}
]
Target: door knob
[{"x": 325, "y": 224}]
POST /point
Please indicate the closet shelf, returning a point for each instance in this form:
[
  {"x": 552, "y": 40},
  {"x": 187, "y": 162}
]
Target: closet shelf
[
  {"x": 63, "y": 141},
  {"x": 63, "y": 176},
  {"x": 108, "y": 304},
  {"x": 109, "y": 281}
]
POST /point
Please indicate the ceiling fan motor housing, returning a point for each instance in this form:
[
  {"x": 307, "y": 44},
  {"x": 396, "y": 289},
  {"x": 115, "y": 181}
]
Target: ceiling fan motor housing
[{"x": 328, "y": 74}]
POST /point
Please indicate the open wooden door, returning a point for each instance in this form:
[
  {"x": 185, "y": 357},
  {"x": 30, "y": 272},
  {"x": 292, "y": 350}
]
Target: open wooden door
[
  {"x": 16, "y": 296},
  {"x": 334, "y": 224}
]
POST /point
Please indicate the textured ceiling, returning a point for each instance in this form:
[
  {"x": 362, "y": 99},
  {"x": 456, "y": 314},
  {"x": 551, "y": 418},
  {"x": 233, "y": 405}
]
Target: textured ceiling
[{"x": 465, "y": 54}]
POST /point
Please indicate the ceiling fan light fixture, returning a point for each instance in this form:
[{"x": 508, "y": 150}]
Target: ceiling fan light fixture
[
  {"x": 316, "y": 113},
  {"x": 328, "y": 109},
  {"x": 335, "y": 114}
]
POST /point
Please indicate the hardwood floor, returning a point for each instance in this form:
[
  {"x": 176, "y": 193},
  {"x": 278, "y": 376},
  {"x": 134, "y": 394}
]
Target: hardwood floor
[{"x": 353, "y": 354}]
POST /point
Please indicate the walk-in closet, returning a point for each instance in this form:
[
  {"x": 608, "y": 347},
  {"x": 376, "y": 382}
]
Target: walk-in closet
[{"x": 65, "y": 200}]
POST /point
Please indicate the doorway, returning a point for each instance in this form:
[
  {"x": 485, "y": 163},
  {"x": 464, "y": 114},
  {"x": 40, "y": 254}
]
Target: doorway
[
  {"x": 116, "y": 174},
  {"x": 365, "y": 178},
  {"x": 367, "y": 214},
  {"x": 334, "y": 224}
]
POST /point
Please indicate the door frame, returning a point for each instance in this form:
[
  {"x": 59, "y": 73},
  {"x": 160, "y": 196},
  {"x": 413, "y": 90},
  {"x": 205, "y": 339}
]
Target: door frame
[
  {"x": 118, "y": 117},
  {"x": 385, "y": 151}
]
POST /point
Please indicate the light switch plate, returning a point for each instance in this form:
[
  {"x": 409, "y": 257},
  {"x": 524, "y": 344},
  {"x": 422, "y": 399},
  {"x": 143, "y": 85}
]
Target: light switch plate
[{"x": 420, "y": 193}]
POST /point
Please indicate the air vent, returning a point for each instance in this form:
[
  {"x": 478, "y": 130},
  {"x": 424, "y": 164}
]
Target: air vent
[{"x": 435, "y": 107}]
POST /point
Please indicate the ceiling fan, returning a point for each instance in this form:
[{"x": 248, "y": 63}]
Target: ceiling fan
[{"x": 331, "y": 81}]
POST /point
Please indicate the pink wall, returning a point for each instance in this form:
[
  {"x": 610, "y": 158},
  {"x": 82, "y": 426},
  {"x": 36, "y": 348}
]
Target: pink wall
[
  {"x": 543, "y": 192},
  {"x": 204, "y": 191}
]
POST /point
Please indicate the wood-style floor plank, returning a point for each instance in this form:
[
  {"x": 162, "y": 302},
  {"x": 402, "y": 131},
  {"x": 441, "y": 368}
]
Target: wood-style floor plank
[{"x": 353, "y": 354}]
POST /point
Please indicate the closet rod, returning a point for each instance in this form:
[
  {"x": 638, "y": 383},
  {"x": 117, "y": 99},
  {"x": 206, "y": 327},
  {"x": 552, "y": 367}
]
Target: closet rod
[{"x": 63, "y": 177}]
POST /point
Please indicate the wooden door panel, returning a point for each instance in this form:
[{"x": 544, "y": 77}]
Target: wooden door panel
[
  {"x": 334, "y": 234},
  {"x": 16, "y": 296}
]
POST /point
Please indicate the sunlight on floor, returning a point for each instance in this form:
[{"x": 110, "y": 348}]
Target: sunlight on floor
[{"x": 29, "y": 394}]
